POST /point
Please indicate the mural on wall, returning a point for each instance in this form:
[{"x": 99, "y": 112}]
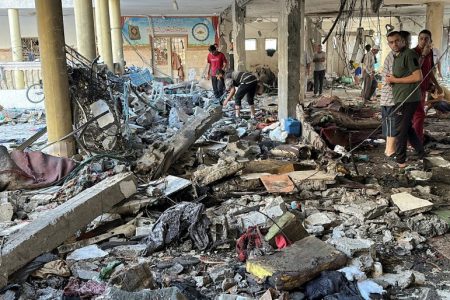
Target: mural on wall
[{"x": 200, "y": 30}]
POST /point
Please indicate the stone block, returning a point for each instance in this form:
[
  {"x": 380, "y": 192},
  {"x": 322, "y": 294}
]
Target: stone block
[
  {"x": 366, "y": 210},
  {"x": 134, "y": 278},
  {"x": 63, "y": 221},
  {"x": 218, "y": 274},
  {"x": 410, "y": 205},
  {"x": 402, "y": 279},
  {"x": 439, "y": 167},
  {"x": 290, "y": 225},
  {"x": 354, "y": 247},
  {"x": 171, "y": 293},
  {"x": 276, "y": 208},
  {"x": 302, "y": 261},
  {"x": 319, "y": 219}
]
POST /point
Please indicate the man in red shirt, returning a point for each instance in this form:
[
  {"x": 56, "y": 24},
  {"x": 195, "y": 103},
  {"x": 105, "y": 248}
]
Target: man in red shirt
[
  {"x": 425, "y": 52},
  {"x": 216, "y": 61}
]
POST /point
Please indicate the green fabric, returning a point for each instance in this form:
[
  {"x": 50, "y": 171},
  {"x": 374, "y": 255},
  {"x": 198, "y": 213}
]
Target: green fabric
[{"x": 405, "y": 64}]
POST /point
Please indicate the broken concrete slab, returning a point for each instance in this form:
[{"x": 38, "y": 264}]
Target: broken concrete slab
[
  {"x": 291, "y": 267},
  {"x": 439, "y": 167},
  {"x": 288, "y": 224},
  {"x": 441, "y": 244},
  {"x": 320, "y": 219},
  {"x": 171, "y": 293},
  {"x": 366, "y": 210},
  {"x": 224, "y": 168},
  {"x": 354, "y": 247},
  {"x": 410, "y": 205},
  {"x": 427, "y": 225},
  {"x": 53, "y": 228},
  {"x": 312, "y": 179},
  {"x": 288, "y": 151},
  {"x": 134, "y": 278},
  {"x": 402, "y": 279},
  {"x": 167, "y": 186},
  {"x": 88, "y": 252},
  {"x": 275, "y": 208}
]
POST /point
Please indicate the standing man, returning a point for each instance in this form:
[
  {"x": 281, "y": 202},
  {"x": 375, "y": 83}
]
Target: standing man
[
  {"x": 387, "y": 100},
  {"x": 319, "y": 70},
  {"x": 216, "y": 61},
  {"x": 370, "y": 83},
  {"x": 247, "y": 83},
  {"x": 405, "y": 78},
  {"x": 424, "y": 50}
]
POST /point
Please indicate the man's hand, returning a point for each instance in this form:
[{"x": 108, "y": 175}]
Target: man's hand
[
  {"x": 390, "y": 78},
  {"x": 208, "y": 77},
  {"x": 225, "y": 103}
]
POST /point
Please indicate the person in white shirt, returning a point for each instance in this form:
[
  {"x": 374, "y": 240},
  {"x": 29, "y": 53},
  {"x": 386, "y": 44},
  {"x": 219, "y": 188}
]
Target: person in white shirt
[
  {"x": 370, "y": 83},
  {"x": 319, "y": 70}
]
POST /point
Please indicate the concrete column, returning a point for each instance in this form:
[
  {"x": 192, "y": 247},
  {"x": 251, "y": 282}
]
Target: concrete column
[
  {"x": 116, "y": 33},
  {"x": 435, "y": 21},
  {"x": 84, "y": 23},
  {"x": 238, "y": 20},
  {"x": 105, "y": 29},
  {"x": 288, "y": 58},
  {"x": 302, "y": 52},
  {"x": 98, "y": 26},
  {"x": 16, "y": 45},
  {"x": 54, "y": 71}
]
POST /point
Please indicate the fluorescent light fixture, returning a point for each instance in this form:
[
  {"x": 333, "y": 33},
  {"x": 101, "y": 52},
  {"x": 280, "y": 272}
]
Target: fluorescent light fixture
[{"x": 175, "y": 4}]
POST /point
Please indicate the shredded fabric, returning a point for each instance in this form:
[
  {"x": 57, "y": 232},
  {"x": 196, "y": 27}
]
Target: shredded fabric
[
  {"x": 250, "y": 240},
  {"x": 175, "y": 222}
]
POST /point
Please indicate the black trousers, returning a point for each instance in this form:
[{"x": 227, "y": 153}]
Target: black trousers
[
  {"x": 370, "y": 86},
  {"x": 406, "y": 132},
  {"x": 218, "y": 86},
  {"x": 318, "y": 81}
]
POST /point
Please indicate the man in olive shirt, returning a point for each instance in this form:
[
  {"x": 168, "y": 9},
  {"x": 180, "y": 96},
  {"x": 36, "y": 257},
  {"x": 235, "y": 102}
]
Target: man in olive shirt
[{"x": 405, "y": 78}]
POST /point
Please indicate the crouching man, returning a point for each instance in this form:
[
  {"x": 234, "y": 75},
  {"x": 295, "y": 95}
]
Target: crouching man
[{"x": 246, "y": 84}]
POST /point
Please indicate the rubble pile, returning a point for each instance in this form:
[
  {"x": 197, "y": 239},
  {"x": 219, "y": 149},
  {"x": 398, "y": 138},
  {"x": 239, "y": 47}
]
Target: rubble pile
[{"x": 183, "y": 201}]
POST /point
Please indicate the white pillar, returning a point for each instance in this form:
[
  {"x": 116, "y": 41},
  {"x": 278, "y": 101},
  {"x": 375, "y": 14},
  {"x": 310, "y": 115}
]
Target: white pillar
[
  {"x": 84, "y": 25},
  {"x": 302, "y": 52},
  {"x": 116, "y": 33},
  {"x": 238, "y": 19},
  {"x": 98, "y": 26},
  {"x": 16, "y": 45},
  {"x": 435, "y": 22},
  {"x": 105, "y": 28},
  {"x": 288, "y": 58}
]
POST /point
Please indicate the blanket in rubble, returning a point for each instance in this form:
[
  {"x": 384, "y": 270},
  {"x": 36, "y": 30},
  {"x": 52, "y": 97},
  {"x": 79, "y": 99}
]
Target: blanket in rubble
[
  {"x": 175, "y": 222},
  {"x": 31, "y": 170}
]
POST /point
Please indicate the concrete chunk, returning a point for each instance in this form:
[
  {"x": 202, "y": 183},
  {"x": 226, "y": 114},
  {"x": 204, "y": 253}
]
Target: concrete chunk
[
  {"x": 439, "y": 167},
  {"x": 290, "y": 225},
  {"x": 53, "y": 228},
  {"x": 171, "y": 293},
  {"x": 293, "y": 266},
  {"x": 410, "y": 205},
  {"x": 353, "y": 247}
]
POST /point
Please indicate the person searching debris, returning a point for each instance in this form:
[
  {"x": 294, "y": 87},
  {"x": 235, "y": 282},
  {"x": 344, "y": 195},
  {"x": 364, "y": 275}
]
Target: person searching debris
[
  {"x": 247, "y": 84},
  {"x": 216, "y": 61},
  {"x": 405, "y": 78}
]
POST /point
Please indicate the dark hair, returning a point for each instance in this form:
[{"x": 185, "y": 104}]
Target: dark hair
[
  {"x": 212, "y": 48},
  {"x": 368, "y": 47},
  {"x": 220, "y": 72},
  {"x": 404, "y": 34},
  {"x": 426, "y": 31}
]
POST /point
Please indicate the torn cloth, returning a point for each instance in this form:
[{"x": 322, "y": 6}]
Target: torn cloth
[
  {"x": 31, "y": 170},
  {"x": 332, "y": 285},
  {"x": 250, "y": 240},
  {"x": 84, "y": 290},
  {"x": 175, "y": 222}
]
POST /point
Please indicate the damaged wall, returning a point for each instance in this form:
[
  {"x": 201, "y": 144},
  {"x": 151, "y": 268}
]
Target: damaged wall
[{"x": 261, "y": 31}]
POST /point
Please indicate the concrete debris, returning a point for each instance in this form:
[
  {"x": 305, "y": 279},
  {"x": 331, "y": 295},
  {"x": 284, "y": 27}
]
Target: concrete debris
[
  {"x": 354, "y": 247},
  {"x": 88, "y": 252},
  {"x": 401, "y": 280},
  {"x": 427, "y": 225},
  {"x": 224, "y": 168},
  {"x": 439, "y": 167},
  {"x": 134, "y": 278},
  {"x": 410, "y": 205},
  {"x": 171, "y": 293},
  {"x": 63, "y": 221},
  {"x": 290, "y": 226},
  {"x": 366, "y": 210},
  {"x": 293, "y": 266}
]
